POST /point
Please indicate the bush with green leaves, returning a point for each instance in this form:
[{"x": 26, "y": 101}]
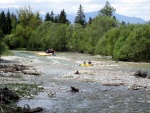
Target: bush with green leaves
[{"x": 135, "y": 46}]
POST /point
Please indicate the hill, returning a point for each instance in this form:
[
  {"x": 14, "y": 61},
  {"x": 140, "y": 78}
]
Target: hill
[{"x": 120, "y": 18}]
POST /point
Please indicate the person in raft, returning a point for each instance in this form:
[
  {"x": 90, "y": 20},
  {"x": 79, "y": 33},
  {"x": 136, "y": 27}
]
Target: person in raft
[
  {"x": 89, "y": 62},
  {"x": 84, "y": 62},
  {"x": 50, "y": 51}
]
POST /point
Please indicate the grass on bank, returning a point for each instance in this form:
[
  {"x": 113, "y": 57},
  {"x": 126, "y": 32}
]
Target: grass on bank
[{"x": 23, "y": 90}]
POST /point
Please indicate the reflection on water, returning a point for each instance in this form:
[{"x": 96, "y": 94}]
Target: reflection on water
[{"x": 93, "y": 97}]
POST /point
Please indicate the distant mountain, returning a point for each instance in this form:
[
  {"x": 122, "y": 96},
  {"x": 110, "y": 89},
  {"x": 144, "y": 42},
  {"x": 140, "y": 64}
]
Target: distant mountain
[
  {"x": 120, "y": 18},
  {"x": 71, "y": 18},
  {"x": 126, "y": 19}
]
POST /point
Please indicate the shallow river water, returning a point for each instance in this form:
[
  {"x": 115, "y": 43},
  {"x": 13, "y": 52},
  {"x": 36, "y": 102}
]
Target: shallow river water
[{"x": 93, "y": 97}]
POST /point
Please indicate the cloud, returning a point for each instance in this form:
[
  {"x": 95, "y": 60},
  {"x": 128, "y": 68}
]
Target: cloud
[{"x": 134, "y": 8}]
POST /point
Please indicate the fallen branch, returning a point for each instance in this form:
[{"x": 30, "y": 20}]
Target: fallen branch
[
  {"x": 6, "y": 96},
  {"x": 16, "y": 109},
  {"x": 139, "y": 73},
  {"x": 73, "y": 89}
]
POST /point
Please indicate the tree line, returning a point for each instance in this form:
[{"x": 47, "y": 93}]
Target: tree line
[{"x": 102, "y": 35}]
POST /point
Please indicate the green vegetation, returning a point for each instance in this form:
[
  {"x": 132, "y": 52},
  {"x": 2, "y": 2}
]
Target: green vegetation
[
  {"x": 107, "y": 10},
  {"x": 102, "y": 35},
  {"x": 80, "y": 18},
  {"x": 22, "y": 89}
]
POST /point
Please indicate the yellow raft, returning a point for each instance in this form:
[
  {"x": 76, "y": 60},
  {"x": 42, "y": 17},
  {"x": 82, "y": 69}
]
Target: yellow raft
[
  {"x": 44, "y": 54},
  {"x": 86, "y": 65}
]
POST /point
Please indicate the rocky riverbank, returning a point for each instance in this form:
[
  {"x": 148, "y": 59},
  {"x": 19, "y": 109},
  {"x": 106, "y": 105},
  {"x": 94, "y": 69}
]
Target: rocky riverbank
[
  {"x": 103, "y": 73},
  {"x": 47, "y": 74},
  {"x": 14, "y": 80}
]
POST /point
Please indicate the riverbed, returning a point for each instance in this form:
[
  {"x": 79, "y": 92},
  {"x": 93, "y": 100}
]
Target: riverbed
[{"x": 105, "y": 87}]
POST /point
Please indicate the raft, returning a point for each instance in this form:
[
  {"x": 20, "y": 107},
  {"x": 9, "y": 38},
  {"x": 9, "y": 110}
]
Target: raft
[
  {"x": 86, "y": 65},
  {"x": 44, "y": 54}
]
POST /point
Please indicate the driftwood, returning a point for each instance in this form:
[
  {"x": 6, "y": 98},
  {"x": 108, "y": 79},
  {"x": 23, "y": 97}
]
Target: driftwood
[
  {"x": 13, "y": 68},
  {"x": 27, "y": 109},
  {"x": 16, "y": 68},
  {"x": 16, "y": 109},
  {"x": 73, "y": 89},
  {"x": 77, "y": 72},
  {"x": 139, "y": 73},
  {"x": 6, "y": 96}
]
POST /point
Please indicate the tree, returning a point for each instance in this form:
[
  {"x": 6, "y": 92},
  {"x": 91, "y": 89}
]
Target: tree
[
  {"x": 90, "y": 20},
  {"x": 52, "y": 16},
  {"x": 3, "y": 48},
  {"x": 2, "y": 45},
  {"x": 123, "y": 23},
  {"x": 3, "y": 22},
  {"x": 69, "y": 32},
  {"x": 14, "y": 22},
  {"x": 107, "y": 10},
  {"x": 56, "y": 19},
  {"x": 62, "y": 17},
  {"x": 28, "y": 22},
  {"x": 38, "y": 39},
  {"x": 75, "y": 42},
  {"x": 111, "y": 37},
  {"x": 8, "y": 23},
  {"x": 133, "y": 43},
  {"x": 47, "y": 17},
  {"x": 80, "y": 18},
  {"x": 59, "y": 38}
]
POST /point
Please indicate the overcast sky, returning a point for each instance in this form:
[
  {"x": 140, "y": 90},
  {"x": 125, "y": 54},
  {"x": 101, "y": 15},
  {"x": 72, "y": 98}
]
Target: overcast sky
[{"x": 132, "y": 8}]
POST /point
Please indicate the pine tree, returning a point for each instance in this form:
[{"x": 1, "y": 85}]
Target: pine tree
[
  {"x": 80, "y": 18},
  {"x": 56, "y": 19},
  {"x": 90, "y": 20},
  {"x": 107, "y": 10},
  {"x": 52, "y": 16},
  {"x": 123, "y": 23},
  {"x": 3, "y": 22},
  {"x": 62, "y": 17},
  {"x": 8, "y": 23},
  {"x": 47, "y": 17}
]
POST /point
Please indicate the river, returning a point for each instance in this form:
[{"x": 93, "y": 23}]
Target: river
[{"x": 93, "y": 95}]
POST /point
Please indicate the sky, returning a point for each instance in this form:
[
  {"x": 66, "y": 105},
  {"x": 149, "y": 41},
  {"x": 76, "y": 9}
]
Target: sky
[{"x": 131, "y": 8}]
